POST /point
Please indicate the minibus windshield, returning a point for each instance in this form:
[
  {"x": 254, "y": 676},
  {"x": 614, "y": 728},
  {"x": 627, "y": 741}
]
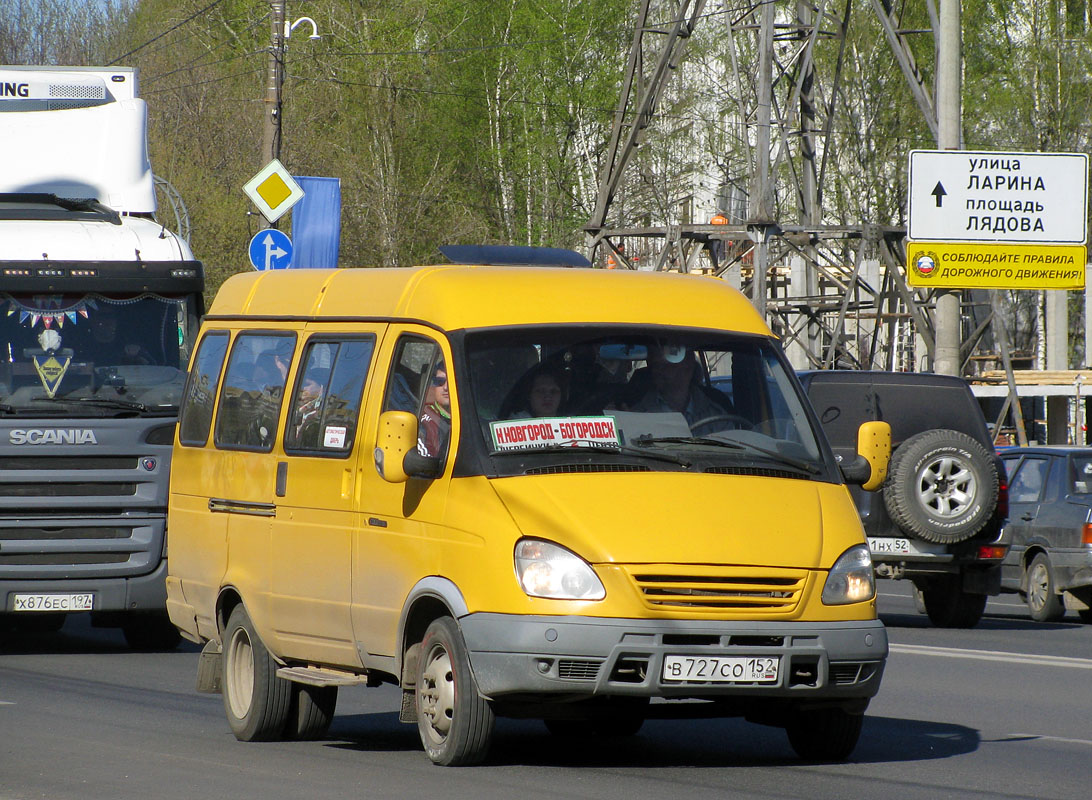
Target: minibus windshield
[{"x": 679, "y": 397}]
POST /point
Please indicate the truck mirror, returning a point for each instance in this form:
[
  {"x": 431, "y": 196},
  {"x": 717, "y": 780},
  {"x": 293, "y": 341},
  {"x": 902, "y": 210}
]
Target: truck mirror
[{"x": 869, "y": 469}]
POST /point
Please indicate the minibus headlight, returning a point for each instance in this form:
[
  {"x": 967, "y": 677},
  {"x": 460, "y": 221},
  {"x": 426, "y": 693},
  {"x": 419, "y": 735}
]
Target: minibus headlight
[
  {"x": 549, "y": 570},
  {"x": 850, "y": 579}
]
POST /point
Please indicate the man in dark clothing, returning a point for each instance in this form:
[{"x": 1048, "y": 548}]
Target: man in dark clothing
[{"x": 435, "y": 428}]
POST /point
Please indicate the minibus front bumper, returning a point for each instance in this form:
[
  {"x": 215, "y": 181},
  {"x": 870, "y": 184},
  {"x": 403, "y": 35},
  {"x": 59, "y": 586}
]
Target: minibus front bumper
[{"x": 577, "y": 657}]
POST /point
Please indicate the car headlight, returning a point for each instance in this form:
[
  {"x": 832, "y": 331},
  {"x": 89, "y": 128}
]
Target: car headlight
[
  {"x": 850, "y": 579},
  {"x": 549, "y": 570}
]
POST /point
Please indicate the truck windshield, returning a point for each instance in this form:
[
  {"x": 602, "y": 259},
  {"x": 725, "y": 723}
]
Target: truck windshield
[
  {"x": 93, "y": 353},
  {"x": 675, "y": 396}
]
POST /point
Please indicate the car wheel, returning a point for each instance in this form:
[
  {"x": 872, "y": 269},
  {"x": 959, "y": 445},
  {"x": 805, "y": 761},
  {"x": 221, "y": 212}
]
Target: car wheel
[
  {"x": 255, "y": 699},
  {"x": 150, "y": 632},
  {"x": 827, "y": 734},
  {"x": 310, "y": 711},
  {"x": 1044, "y": 603},
  {"x": 941, "y": 486},
  {"x": 948, "y": 606},
  {"x": 454, "y": 721}
]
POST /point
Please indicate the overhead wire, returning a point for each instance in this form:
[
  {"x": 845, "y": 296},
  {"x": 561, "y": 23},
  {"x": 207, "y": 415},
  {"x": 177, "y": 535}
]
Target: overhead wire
[{"x": 156, "y": 38}]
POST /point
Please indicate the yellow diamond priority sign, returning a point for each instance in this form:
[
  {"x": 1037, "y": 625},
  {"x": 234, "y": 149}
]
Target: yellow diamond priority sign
[{"x": 273, "y": 190}]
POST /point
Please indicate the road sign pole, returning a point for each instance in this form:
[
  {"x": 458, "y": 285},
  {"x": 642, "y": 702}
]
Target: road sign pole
[
  {"x": 947, "y": 318},
  {"x": 271, "y": 129}
]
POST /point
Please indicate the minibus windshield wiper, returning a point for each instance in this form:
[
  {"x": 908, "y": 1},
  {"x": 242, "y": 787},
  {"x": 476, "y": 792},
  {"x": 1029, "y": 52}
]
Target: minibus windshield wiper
[
  {"x": 811, "y": 469},
  {"x": 632, "y": 451}
]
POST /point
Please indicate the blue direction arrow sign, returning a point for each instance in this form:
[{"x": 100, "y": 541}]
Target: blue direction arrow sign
[{"x": 270, "y": 249}]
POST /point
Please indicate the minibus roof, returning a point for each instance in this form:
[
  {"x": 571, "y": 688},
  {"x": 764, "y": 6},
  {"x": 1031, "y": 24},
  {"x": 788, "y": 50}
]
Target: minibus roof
[{"x": 456, "y": 297}]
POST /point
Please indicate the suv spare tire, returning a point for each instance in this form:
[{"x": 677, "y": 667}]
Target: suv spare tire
[{"x": 941, "y": 486}]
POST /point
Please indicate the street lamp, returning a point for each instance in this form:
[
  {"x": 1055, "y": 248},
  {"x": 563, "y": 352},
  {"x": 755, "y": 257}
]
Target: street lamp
[{"x": 314, "y": 28}]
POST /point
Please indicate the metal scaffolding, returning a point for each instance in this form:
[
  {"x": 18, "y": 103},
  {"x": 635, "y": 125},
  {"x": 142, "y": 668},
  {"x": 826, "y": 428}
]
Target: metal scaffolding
[{"x": 835, "y": 294}]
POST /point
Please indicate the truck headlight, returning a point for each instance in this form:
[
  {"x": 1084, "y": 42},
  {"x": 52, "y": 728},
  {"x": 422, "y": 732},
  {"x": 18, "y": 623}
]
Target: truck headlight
[
  {"x": 549, "y": 570},
  {"x": 850, "y": 579}
]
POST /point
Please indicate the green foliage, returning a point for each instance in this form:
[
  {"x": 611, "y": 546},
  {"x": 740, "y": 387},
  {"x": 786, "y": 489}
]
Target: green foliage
[{"x": 465, "y": 121}]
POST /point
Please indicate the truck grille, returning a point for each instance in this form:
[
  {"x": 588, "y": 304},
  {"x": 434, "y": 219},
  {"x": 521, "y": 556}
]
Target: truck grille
[
  {"x": 72, "y": 549},
  {"x": 67, "y": 462},
  {"x": 67, "y": 489},
  {"x": 720, "y": 589}
]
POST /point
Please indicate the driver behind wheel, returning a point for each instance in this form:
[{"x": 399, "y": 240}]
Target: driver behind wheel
[{"x": 676, "y": 385}]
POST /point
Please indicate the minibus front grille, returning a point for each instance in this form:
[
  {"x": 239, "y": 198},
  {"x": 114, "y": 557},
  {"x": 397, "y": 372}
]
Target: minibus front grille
[
  {"x": 569, "y": 468},
  {"x": 578, "y": 670},
  {"x": 758, "y": 591},
  {"x": 849, "y": 673},
  {"x": 761, "y": 472}
]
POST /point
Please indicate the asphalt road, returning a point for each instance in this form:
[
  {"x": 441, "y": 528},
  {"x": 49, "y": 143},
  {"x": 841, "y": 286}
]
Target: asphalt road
[{"x": 1001, "y": 711}]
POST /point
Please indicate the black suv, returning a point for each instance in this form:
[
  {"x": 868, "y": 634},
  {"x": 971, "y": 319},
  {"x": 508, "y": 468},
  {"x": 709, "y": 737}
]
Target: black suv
[{"x": 939, "y": 519}]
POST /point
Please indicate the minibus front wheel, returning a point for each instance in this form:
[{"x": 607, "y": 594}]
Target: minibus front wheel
[
  {"x": 824, "y": 734},
  {"x": 255, "y": 699},
  {"x": 454, "y": 721}
]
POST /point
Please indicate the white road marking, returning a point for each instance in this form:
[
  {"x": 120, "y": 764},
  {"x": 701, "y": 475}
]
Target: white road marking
[
  {"x": 994, "y": 655},
  {"x": 1050, "y": 738}
]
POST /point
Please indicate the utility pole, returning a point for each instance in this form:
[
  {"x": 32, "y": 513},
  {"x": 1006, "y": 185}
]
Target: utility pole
[
  {"x": 949, "y": 119},
  {"x": 271, "y": 127}
]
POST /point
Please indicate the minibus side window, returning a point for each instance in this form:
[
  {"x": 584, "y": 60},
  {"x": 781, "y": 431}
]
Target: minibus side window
[
  {"x": 196, "y": 418},
  {"x": 250, "y": 402},
  {"x": 418, "y": 384},
  {"x": 326, "y": 403}
]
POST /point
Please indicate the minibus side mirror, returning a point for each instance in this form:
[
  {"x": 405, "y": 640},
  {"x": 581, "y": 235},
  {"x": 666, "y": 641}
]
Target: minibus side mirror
[
  {"x": 869, "y": 469},
  {"x": 396, "y": 456}
]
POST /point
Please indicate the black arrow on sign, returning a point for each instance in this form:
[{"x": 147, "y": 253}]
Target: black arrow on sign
[{"x": 938, "y": 192}]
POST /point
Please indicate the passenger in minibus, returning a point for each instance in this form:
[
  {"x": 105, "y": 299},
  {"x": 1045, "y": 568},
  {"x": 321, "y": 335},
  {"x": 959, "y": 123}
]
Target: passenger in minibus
[
  {"x": 676, "y": 386},
  {"x": 538, "y": 394}
]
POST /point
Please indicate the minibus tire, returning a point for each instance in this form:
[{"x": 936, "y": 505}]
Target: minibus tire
[
  {"x": 311, "y": 711},
  {"x": 255, "y": 699},
  {"x": 454, "y": 721},
  {"x": 824, "y": 734}
]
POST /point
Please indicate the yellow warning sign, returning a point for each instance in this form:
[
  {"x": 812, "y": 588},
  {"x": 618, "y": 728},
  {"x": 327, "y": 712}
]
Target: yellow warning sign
[
  {"x": 972, "y": 265},
  {"x": 273, "y": 190}
]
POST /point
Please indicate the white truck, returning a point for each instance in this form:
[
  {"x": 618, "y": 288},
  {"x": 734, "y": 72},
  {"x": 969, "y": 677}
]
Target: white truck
[{"x": 99, "y": 307}]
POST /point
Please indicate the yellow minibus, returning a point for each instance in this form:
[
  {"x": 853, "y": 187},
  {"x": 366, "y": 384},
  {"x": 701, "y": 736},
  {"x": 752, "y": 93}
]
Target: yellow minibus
[{"x": 583, "y": 496}]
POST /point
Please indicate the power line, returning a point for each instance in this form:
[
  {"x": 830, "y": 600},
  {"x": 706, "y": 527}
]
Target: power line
[
  {"x": 203, "y": 83},
  {"x": 169, "y": 30}
]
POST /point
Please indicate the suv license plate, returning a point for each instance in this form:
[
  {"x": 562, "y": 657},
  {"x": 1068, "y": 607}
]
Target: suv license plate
[
  {"x": 53, "y": 602},
  {"x": 900, "y": 547},
  {"x": 721, "y": 669}
]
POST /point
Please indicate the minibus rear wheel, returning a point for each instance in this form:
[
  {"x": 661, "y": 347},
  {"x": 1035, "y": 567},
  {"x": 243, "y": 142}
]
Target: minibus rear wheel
[
  {"x": 454, "y": 721},
  {"x": 255, "y": 699},
  {"x": 824, "y": 734},
  {"x": 311, "y": 711}
]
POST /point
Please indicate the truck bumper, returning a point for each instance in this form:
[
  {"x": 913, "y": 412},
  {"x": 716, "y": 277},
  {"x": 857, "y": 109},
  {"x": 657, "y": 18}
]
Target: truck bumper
[
  {"x": 582, "y": 657},
  {"x": 138, "y": 593}
]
